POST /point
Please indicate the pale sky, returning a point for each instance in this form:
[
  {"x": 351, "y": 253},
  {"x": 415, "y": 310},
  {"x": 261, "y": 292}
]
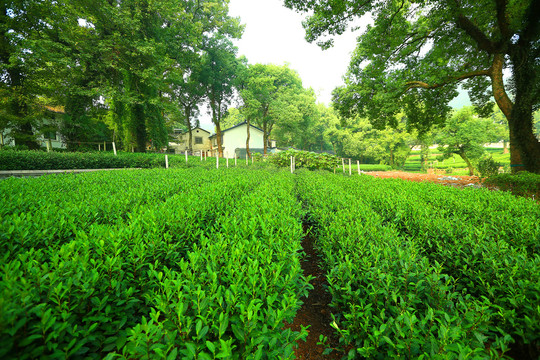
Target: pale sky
[{"x": 274, "y": 35}]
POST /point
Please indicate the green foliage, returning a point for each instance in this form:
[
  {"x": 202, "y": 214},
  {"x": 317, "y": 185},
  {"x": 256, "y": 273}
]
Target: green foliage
[
  {"x": 407, "y": 282},
  {"x": 465, "y": 134},
  {"x": 137, "y": 56},
  {"x": 412, "y": 56},
  {"x": 487, "y": 166},
  {"x": 220, "y": 74},
  {"x": 275, "y": 100},
  {"x": 359, "y": 139},
  {"x": 522, "y": 184},
  {"x": 305, "y": 159},
  {"x": 94, "y": 272},
  {"x": 205, "y": 263},
  {"x": 39, "y": 160}
]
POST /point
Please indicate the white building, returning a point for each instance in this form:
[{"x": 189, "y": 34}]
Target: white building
[
  {"x": 200, "y": 139},
  {"x": 46, "y": 130},
  {"x": 233, "y": 140}
]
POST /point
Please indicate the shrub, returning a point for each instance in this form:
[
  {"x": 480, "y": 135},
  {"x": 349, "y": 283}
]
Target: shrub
[
  {"x": 487, "y": 166},
  {"x": 305, "y": 159},
  {"x": 521, "y": 184},
  {"x": 39, "y": 160}
]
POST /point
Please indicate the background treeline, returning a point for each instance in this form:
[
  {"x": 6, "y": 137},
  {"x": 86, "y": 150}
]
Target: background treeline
[
  {"x": 128, "y": 65},
  {"x": 129, "y": 71}
]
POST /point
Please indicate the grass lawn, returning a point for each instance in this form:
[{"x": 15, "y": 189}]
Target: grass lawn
[{"x": 454, "y": 165}]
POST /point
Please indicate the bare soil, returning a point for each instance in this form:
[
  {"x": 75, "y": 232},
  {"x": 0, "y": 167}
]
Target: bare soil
[
  {"x": 461, "y": 181},
  {"x": 315, "y": 311}
]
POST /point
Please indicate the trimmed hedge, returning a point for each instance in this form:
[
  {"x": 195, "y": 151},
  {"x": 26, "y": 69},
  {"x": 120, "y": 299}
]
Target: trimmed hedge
[
  {"x": 39, "y": 160},
  {"x": 521, "y": 184}
]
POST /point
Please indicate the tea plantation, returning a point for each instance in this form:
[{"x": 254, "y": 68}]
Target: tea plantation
[{"x": 205, "y": 263}]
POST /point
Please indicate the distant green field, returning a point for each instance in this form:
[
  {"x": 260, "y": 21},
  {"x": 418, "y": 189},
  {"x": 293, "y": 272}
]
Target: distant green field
[{"x": 454, "y": 165}]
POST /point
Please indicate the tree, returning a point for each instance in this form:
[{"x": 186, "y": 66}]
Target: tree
[
  {"x": 81, "y": 54},
  {"x": 188, "y": 91},
  {"x": 234, "y": 117},
  {"x": 465, "y": 134},
  {"x": 22, "y": 24},
  {"x": 416, "y": 53},
  {"x": 361, "y": 140},
  {"x": 220, "y": 73},
  {"x": 271, "y": 95},
  {"x": 297, "y": 119}
]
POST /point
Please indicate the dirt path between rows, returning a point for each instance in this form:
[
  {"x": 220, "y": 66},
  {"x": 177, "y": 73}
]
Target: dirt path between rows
[{"x": 315, "y": 311}]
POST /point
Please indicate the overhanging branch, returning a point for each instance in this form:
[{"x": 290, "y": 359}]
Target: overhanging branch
[
  {"x": 424, "y": 85},
  {"x": 483, "y": 42}
]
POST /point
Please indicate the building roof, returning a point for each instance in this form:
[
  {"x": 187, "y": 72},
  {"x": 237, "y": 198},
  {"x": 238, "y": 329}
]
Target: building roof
[
  {"x": 195, "y": 128},
  {"x": 238, "y": 125}
]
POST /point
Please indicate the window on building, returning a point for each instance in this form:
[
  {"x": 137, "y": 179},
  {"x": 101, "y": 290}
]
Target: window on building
[
  {"x": 198, "y": 140},
  {"x": 50, "y": 135}
]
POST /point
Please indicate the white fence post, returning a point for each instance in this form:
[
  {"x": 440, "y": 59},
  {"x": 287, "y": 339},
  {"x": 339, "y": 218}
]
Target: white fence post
[
  {"x": 291, "y": 165},
  {"x": 217, "y": 161},
  {"x": 114, "y": 148},
  {"x": 186, "y": 158},
  {"x": 358, "y": 165},
  {"x": 227, "y": 160},
  {"x": 166, "y": 162},
  {"x": 350, "y": 169},
  {"x": 343, "y": 164}
]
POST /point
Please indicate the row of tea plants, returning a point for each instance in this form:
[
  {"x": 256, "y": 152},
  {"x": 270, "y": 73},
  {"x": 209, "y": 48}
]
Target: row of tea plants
[
  {"x": 205, "y": 263},
  {"x": 150, "y": 264},
  {"x": 424, "y": 271}
]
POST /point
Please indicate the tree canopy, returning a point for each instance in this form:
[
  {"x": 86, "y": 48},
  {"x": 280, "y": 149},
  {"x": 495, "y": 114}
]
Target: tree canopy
[
  {"x": 465, "y": 134},
  {"x": 130, "y": 59},
  {"x": 415, "y": 53}
]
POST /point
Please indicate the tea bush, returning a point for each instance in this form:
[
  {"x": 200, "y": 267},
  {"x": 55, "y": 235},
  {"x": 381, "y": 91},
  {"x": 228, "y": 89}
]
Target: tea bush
[
  {"x": 305, "y": 159},
  {"x": 521, "y": 184},
  {"x": 205, "y": 263},
  {"x": 391, "y": 246},
  {"x": 179, "y": 263}
]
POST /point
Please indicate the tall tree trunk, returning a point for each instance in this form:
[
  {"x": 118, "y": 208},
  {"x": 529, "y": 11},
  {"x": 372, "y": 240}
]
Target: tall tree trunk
[
  {"x": 218, "y": 139},
  {"x": 216, "y": 119},
  {"x": 265, "y": 137},
  {"x": 187, "y": 113},
  {"x": 248, "y": 136},
  {"x": 139, "y": 127},
  {"x": 524, "y": 147},
  {"x": 467, "y": 161},
  {"x": 521, "y": 120}
]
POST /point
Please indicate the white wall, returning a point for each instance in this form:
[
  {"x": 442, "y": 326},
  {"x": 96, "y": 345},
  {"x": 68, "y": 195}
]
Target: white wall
[{"x": 236, "y": 138}]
